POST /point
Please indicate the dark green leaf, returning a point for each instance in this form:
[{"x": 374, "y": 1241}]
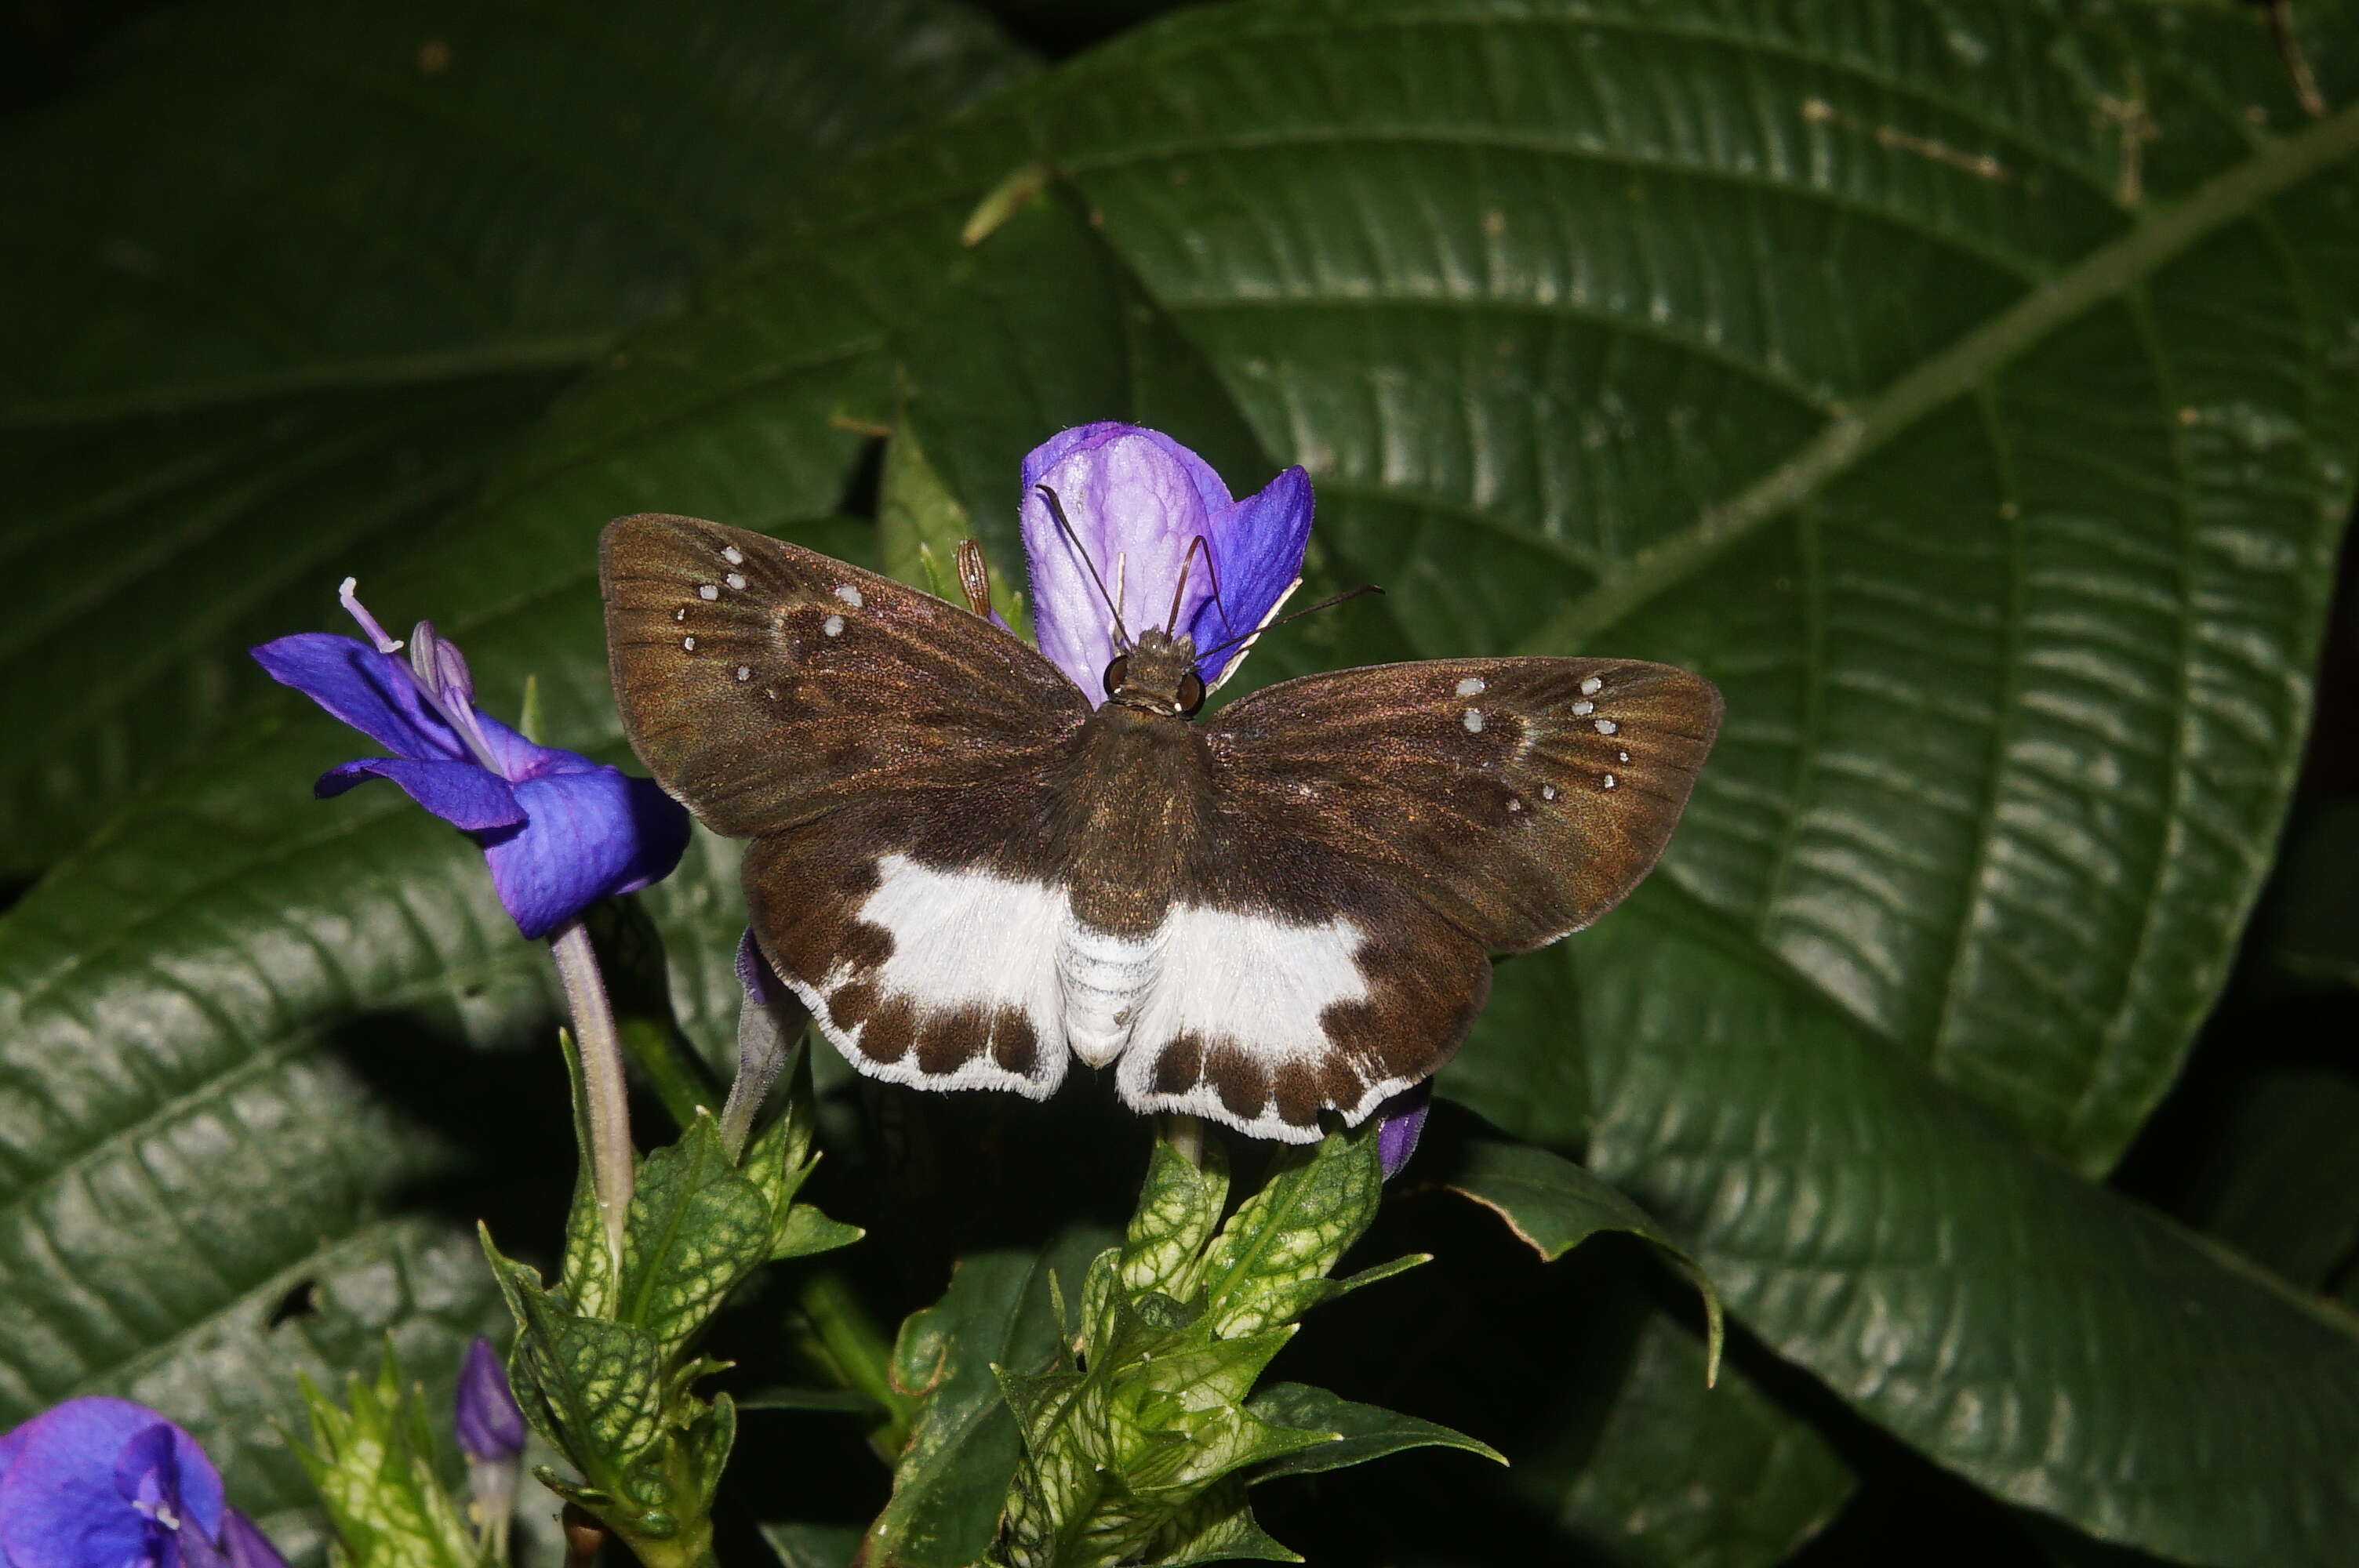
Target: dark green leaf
[
  {"x": 279, "y": 283},
  {"x": 1679, "y": 1474},
  {"x": 1552, "y": 1204},
  {"x": 2055, "y": 1343},
  {"x": 812, "y": 1545},
  {"x": 1361, "y": 1431},
  {"x": 2313, "y": 931},
  {"x": 948, "y": 1483},
  {"x": 2280, "y": 1179}
]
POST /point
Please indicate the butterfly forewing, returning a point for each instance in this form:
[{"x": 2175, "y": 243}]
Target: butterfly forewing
[
  {"x": 889, "y": 754},
  {"x": 1519, "y": 798},
  {"x": 766, "y": 684}
]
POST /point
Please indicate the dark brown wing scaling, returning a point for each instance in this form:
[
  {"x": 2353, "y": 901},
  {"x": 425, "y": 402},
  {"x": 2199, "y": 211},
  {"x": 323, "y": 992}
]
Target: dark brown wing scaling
[
  {"x": 765, "y": 684},
  {"x": 1519, "y": 798}
]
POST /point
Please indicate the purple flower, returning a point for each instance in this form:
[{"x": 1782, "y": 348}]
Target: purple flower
[
  {"x": 1400, "y": 1123},
  {"x": 558, "y": 831},
  {"x": 491, "y": 1434},
  {"x": 104, "y": 1483},
  {"x": 1173, "y": 551},
  {"x": 490, "y": 1426}
]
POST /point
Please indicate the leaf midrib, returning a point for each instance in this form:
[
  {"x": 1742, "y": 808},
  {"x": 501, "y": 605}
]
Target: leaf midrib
[{"x": 2106, "y": 272}]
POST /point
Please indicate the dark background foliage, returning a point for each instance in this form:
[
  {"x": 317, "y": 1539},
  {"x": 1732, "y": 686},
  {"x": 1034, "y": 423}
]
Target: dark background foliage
[{"x": 1966, "y": 387}]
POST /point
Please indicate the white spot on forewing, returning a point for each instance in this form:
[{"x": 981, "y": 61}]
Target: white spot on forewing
[
  {"x": 1584, "y": 708},
  {"x": 687, "y": 645},
  {"x": 735, "y": 580},
  {"x": 1474, "y": 721},
  {"x": 708, "y": 591},
  {"x": 1606, "y": 725},
  {"x": 1591, "y": 687},
  {"x": 745, "y": 671},
  {"x": 733, "y": 554},
  {"x": 1622, "y": 756},
  {"x": 849, "y": 594},
  {"x": 832, "y": 625},
  {"x": 1548, "y": 792},
  {"x": 960, "y": 939},
  {"x": 1611, "y": 780},
  {"x": 1471, "y": 686}
]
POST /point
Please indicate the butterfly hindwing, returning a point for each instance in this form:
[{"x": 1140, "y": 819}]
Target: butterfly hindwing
[
  {"x": 922, "y": 932},
  {"x": 1296, "y": 982},
  {"x": 766, "y": 684}
]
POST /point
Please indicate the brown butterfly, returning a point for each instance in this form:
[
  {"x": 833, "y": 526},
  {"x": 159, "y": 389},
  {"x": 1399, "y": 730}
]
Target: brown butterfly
[{"x": 970, "y": 874}]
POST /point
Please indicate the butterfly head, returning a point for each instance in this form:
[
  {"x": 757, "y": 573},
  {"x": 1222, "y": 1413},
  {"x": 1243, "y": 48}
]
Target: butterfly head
[{"x": 1158, "y": 675}]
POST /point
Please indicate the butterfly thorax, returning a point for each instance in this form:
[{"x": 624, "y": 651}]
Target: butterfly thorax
[
  {"x": 1135, "y": 795},
  {"x": 1157, "y": 674}
]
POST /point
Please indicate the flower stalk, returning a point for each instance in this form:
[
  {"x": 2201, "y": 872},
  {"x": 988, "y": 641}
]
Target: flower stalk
[{"x": 606, "y": 1105}]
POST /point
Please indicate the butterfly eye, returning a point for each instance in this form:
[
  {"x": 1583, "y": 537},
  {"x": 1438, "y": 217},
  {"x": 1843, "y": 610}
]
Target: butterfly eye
[
  {"x": 1117, "y": 673},
  {"x": 1191, "y": 694}
]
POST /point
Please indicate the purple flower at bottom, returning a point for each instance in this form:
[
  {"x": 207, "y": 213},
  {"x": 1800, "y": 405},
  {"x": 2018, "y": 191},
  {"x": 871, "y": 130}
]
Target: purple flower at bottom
[
  {"x": 559, "y": 831},
  {"x": 1172, "y": 550},
  {"x": 1401, "y": 1121},
  {"x": 489, "y": 1423},
  {"x": 104, "y": 1483}
]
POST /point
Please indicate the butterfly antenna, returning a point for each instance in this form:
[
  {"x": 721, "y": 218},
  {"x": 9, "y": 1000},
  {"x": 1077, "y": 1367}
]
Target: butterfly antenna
[
  {"x": 1329, "y": 602},
  {"x": 1196, "y": 547},
  {"x": 1057, "y": 510}
]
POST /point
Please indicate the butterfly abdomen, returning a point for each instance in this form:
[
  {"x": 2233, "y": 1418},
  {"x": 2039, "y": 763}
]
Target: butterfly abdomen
[{"x": 1104, "y": 978}]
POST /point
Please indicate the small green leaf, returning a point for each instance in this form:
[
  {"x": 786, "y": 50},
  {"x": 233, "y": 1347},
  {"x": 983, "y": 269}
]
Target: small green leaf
[
  {"x": 1362, "y": 1433},
  {"x": 1271, "y": 1263},
  {"x": 587, "y": 1274},
  {"x": 696, "y": 1230},
  {"x": 813, "y": 1545},
  {"x": 373, "y": 1460},
  {"x": 994, "y": 1326},
  {"x": 1552, "y": 1204},
  {"x": 808, "y": 1231},
  {"x": 1216, "y": 1528},
  {"x": 1177, "y": 1208}
]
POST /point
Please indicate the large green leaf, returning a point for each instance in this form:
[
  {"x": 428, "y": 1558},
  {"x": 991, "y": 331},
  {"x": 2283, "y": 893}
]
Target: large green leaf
[
  {"x": 1989, "y": 454},
  {"x": 280, "y": 280},
  {"x": 2055, "y": 1343}
]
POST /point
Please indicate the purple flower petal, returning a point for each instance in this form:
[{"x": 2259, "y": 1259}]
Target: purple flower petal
[
  {"x": 1403, "y": 1122},
  {"x": 588, "y": 834},
  {"x": 76, "y": 1472},
  {"x": 461, "y": 794},
  {"x": 1082, "y": 437},
  {"x": 1134, "y": 508},
  {"x": 490, "y": 1426},
  {"x": 754, "y": 972},
  {"x": 1256, "y": 548},
  {"x": 372, "y": 692},
  {"x": 241, "y": 1545},
  {"x": 520, "y": 759}
]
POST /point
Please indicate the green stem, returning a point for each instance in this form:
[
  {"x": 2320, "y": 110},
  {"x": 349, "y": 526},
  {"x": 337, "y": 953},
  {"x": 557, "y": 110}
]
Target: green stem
[
  {"x": 844, "y": 1337},
  {"x": 612, "y": 1158},
  {"x": 680, "y": 1076},
  {"x": 855, "y": 1347}
]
